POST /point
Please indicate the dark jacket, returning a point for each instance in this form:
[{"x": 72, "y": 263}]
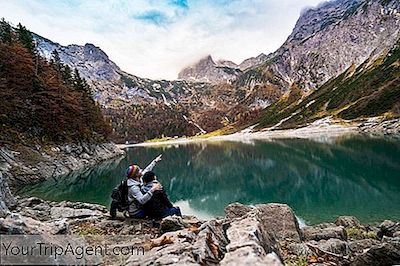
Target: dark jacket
[{"x": 157, "y": 204}]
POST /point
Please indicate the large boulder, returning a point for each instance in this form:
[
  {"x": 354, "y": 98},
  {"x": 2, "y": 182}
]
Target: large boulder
[
  {"x": 324, "y": 231},
  {"x": 249, "y": 243},
  {"x": 279, "y": 220},
  {"x": 185, "y": 247}
]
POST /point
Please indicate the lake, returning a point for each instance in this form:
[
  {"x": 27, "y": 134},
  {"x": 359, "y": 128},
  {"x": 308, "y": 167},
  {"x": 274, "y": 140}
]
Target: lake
[{"x": 357, "y": 176}]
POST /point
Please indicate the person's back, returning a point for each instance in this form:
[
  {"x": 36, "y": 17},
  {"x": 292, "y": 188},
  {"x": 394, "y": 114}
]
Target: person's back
[{"x": 159, "y": 205}]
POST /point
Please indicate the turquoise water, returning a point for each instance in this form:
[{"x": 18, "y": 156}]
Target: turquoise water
[{"x": 357, "y": 176}]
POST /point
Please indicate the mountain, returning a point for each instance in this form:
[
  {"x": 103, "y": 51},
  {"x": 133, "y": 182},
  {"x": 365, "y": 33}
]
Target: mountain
[
  {"x": 206, "y": 70},
  {"x": 222, "y": 71},
  {"x": 325, "y": 41},
  {"x": 253, "y": 61},
  {"x": 160, "y": 107},
  {"x": 371, "y": 89}
]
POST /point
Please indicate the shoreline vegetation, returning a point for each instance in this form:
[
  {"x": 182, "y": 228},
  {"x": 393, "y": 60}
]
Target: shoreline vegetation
[{"x": 325, "y": 128}]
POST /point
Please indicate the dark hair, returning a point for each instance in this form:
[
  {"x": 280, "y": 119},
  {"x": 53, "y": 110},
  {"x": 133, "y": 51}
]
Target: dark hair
[{"x": 148, "y": 177}]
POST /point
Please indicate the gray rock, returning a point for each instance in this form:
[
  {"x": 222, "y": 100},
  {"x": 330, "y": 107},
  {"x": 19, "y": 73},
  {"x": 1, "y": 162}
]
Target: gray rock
[
  {"x": 186, "y": 248},
  {"x": 388, "y": 228},
  {"x": 211, "y": 241},
  {"x": 299, "y": 249},
  {"x": 85, "y": 156},
  {"x": 360, "y": 246},
  {"x": 82, "y": 205},
  {"x": 324, "y": 231},
  {"x": 172, "y": 223},
  {"x": 279, "y": 220},
  {"x": 29, "y": 202},
  {"x": 382, "y": 254},
  {"x": 251, "y": 256},
  {"x": 348, "y": 221},
  {"x": 333, "y": 245},
  {"x": 236, "y": 210},
  {"x": 249, "y": 232},
  {"x": 392, "y": 240},
  {"x": 18, "y": 224},
  {"x": 7, "y": 200},
  {"x": 66, "y": 212}
]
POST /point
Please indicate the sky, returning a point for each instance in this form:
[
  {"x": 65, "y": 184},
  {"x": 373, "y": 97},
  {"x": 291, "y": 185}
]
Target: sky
[{"x": 156, "y": 39}]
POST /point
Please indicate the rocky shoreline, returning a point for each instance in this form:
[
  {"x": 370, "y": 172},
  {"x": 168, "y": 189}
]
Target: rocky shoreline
[
  {"x": 264, "y": 234},
  {"x": 21, "y": 165}
]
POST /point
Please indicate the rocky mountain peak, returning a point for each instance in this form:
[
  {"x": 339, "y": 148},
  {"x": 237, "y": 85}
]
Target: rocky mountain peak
[
  {"x": 92, "y": 62},
  {"x": 206, "y": 70},
  {"x": 316, "y": 19},
  {"x": 227, "y": 63}
]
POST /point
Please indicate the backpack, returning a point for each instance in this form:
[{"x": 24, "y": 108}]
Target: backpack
[{"x": 119, "y": 197}]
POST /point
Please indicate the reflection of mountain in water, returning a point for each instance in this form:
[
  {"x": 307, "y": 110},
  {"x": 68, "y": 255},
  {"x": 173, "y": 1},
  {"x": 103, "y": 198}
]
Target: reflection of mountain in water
[{"x": 358, "y": 176}]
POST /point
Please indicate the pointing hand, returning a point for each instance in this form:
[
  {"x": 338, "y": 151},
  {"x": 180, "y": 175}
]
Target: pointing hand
[{"x": 158, "y": 158}]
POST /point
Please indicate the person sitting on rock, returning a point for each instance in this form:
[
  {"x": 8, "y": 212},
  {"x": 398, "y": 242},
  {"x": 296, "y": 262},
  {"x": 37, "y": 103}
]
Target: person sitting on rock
[
  {"x": 136, "y": 198},
  {"x": 159, "y": 205}
]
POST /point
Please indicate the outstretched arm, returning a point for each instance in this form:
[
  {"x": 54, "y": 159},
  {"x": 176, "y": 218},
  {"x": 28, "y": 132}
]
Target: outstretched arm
[{"x": 152, "y": 164}]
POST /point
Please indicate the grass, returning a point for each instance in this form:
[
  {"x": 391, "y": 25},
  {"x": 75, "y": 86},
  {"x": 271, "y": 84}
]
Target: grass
[
  {"x": 161, "y": 139},
  {"x": 357, "y": 234},
  {"x": 298, "y": 261}
]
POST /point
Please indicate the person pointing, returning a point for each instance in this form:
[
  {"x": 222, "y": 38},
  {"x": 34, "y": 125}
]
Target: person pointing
[{"x": 136, "y": 198}]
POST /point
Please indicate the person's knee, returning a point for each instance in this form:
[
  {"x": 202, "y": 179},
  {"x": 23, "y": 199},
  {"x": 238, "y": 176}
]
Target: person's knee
[{"x": 177, "y": 211}]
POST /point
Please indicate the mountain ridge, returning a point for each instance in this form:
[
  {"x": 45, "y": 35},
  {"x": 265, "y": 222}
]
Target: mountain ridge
[{"x": 325, "y": 41}]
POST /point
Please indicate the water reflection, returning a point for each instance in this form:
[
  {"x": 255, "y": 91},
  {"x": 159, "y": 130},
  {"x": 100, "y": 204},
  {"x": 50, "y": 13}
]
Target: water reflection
[{"x": 357, "y": 176}]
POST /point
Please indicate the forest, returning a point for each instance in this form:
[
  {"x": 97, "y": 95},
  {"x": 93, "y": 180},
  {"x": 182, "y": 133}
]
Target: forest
[{"x": 43, "y": 101}]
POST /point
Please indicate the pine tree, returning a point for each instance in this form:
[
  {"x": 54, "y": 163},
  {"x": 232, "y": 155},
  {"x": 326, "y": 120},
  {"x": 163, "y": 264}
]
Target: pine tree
[
  {"x": 66, "y": 75},
  {"x": 5, "y": 31},
  {"x": 25, "y": 38},
  {"x": 77, "y": 80},
  {"x": 56, "y": 60},
  {"x": 80, "y": 84}
]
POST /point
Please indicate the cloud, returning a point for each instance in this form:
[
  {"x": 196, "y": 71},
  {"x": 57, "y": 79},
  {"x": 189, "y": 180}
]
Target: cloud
[
  {"x": 157, "y": 38},
  {"x": 154, "y": 17}
]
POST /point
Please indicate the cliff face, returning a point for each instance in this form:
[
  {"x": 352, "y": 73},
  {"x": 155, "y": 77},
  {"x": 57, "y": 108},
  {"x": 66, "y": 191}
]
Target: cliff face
[
  {"x": 324, "y": 43},
  {"x": 222, "y": 71},
  {"x": 206, "y": 70},
  {"x": 371, "y": 89},
  {"x": 328, "y": 39}
]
